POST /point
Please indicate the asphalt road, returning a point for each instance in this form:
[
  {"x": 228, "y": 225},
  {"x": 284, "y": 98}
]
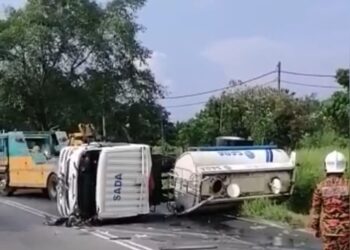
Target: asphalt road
[{"x": 22, "y": 228}]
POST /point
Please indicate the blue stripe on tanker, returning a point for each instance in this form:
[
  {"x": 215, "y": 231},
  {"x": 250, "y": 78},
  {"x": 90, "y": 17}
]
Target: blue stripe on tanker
[
  {"x": 232, "y": 148},
  {"x": 271, "y": 155},
  {"x": 267, "y": 155}
]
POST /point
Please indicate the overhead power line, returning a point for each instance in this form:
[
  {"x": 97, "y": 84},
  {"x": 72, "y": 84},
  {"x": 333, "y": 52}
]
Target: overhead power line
[
  {"x": 186, "y": 105},
  {"x": 220, "y": 89},
  {"x": 311, "y": 85},
  {"x": 306, "y": 74},
  {"x": 267, "y": 83},
  {"x": 202, "y": 102},
  {"x": 251, "y": 80}
]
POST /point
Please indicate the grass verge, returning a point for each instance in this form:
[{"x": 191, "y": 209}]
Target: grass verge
[{"x": 269, "y": 210}]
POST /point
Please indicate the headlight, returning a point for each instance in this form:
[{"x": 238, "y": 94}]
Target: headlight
[
  {"x": 233, "y": 190},
  {"x": 276, "y": 185}
]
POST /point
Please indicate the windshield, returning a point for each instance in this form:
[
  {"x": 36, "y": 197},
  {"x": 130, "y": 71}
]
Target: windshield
[{"x": 38, "y": 144}]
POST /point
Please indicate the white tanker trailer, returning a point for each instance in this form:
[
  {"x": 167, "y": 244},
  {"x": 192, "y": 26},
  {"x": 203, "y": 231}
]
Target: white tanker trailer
[{"x": 222, "y": 176}]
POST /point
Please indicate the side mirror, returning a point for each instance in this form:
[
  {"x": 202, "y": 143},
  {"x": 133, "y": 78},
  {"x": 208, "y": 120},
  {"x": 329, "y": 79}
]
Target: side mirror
[{"x": 47, "y": 154}]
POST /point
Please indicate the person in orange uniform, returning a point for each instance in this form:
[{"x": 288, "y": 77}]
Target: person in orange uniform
[{"x": 330, "y": 210}]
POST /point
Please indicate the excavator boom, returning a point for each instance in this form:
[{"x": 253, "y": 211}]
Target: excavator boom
[{"x": 87, "y": 132}]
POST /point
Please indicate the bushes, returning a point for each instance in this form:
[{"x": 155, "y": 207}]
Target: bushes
[
  {"x": 323, "y": 138},
  {"x": 269, "y": 210}
]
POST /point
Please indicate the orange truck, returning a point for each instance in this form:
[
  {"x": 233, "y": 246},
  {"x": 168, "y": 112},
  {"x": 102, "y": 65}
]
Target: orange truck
[{"x": 29, "y": 160}]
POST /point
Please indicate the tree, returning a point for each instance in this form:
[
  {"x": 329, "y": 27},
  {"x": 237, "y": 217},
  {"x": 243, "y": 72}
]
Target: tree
[
  {"x": 64, "y": 62},
  {"x": 342, "y": 77},
  {"x": 265, "y": 114},
  {"x": 336, "y": 109}
]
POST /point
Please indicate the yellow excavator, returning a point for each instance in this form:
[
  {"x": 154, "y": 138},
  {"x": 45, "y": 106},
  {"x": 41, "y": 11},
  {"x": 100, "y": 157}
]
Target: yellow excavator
[{"x": 87, "y": 133}]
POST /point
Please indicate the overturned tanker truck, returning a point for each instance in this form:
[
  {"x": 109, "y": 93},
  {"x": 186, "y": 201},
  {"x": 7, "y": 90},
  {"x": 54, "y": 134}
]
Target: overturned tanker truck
[{"x": 109, "y": 180}]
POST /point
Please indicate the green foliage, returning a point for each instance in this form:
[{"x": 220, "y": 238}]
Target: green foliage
[
  {"x": 335, "y": 110},
  {"x": 270, "y": 210},
  {"x": 266, "y": 114},
  {"x": 342, "y": 77},
  {"x": 322, "y": 138},
  {"x": 65, "y": 62}
]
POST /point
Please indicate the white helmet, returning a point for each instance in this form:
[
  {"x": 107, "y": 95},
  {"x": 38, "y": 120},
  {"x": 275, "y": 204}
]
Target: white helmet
[{"x": 335, "y": 162}]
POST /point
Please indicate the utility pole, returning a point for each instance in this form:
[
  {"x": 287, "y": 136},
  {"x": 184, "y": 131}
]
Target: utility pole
[
  {"x": 104, "y": 126},
  {"x": 162, "y": 135},
  {"x": 221, "y": 111},
  {"x": 279, "y": 75},
  {"x": 103, "y": 112}
]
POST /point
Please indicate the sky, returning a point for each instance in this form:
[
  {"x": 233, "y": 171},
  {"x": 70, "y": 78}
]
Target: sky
[{"x": 200, "y": 45}]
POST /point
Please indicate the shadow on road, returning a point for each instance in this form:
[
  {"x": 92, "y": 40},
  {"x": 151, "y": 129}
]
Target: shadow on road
[{"x": 30, "y": 194}]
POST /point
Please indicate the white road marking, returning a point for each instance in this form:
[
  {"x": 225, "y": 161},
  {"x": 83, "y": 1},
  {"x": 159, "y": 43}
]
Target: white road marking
[
  {"x": 28, "y": 209},
  {"x": 114, "y": 241},
  {"x": 128, "y": 241},
  {"x": 160, "y": 232},
  {"x": 141, "y": 232},
  {"x": 125, "y": 243}
]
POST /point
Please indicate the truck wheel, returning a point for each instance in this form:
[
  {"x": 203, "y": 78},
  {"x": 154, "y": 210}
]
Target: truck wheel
[
  {"x": 51, "y": 188},
  {"x": 4, "y": 187}
]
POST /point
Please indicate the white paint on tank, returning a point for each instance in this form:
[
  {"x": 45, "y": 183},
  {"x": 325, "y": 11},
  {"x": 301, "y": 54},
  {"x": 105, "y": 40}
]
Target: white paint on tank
[{"x": 238, "y": 157}]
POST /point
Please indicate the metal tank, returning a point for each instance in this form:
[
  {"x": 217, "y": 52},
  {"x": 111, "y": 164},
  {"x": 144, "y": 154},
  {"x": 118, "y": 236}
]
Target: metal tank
[{"x": 225, "y": 175}]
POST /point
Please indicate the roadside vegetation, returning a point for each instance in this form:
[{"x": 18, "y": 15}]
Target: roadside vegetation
[{"x": 66, "y": 62}]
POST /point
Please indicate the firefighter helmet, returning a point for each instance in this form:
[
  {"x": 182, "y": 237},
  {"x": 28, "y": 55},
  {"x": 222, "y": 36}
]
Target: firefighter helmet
[{"x": 335, "y": 162}]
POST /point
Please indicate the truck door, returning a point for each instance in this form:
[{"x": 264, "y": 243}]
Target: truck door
[
  {"x": 28, "y": 162},
  {"x": 4, "y": 160},
  {"x": 60, "y": 140}
]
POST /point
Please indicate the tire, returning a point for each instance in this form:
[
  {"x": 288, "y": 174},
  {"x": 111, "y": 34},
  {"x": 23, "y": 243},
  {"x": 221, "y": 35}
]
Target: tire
[
  {"x": 5, "y": 190},
  {"x": 51, "y": 187}
]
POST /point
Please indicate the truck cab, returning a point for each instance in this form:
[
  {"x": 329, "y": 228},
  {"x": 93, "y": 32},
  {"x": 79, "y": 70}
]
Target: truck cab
[
  {"x": 24, "y": 163},
  {"x": 232, "y": 141}
]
